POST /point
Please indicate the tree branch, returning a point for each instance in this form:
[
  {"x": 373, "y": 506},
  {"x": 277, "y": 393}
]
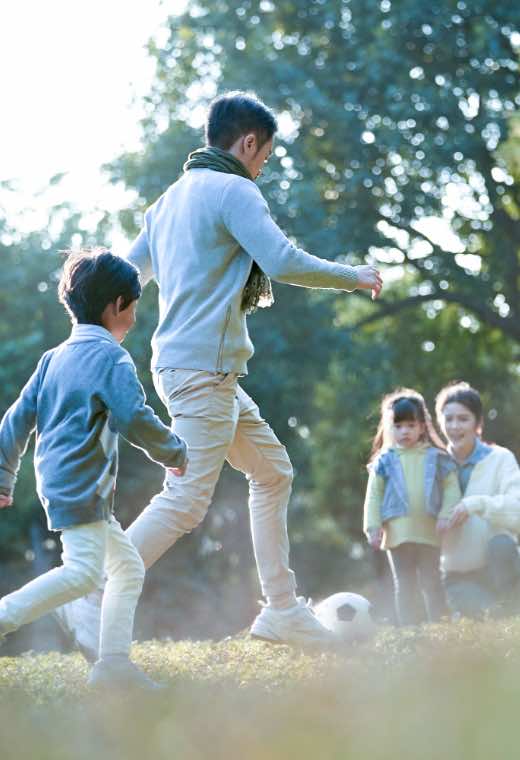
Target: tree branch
[{"x": 486, "y": 315}]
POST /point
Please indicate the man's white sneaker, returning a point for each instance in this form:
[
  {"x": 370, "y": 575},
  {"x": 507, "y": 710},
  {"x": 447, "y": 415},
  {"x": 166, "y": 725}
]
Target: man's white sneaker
[
  {"x": 80, "y": 621},
  {"x": 296, "y": 625}
]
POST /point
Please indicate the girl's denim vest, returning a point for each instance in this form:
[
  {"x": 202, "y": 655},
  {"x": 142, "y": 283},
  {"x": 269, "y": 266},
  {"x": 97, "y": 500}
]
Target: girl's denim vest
[{"x": 395, "y": 501}]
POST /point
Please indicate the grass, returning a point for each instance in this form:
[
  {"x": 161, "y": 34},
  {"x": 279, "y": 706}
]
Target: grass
[{"x": 445, "y": 691}]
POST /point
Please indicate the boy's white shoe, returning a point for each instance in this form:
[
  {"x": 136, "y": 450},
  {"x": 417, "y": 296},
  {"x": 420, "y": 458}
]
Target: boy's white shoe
[
  {"x": 120, "y": 673},
  {"x": 80, "y": 621},
  {"x": 295, "y": 625}
]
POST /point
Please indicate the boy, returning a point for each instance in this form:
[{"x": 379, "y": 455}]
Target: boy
[{"x": 81, "y": 395}]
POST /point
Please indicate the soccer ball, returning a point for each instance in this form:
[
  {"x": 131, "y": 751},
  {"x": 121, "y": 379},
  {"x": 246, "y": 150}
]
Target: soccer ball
[{"x": 347, "y": 615}]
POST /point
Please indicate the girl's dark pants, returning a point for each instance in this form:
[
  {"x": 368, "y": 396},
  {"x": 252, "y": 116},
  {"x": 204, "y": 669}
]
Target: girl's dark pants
[{"x": 419, "y": 596}]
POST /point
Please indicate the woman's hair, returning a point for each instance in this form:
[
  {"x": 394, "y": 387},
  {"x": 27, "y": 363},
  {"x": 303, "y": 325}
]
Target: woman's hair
[
  {"x": 459, "y": 393},
  {"x": 91, "y": 279},
  {"x": 403, "y": 404}
]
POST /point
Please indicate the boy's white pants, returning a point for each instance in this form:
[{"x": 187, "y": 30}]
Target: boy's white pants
[{"x": 90, "y": 552}]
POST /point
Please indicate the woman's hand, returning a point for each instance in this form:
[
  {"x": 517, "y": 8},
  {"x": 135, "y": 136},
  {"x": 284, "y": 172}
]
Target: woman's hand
[
  {"x": 459, "y": 516},
  {"x": 443, "y": 525}
]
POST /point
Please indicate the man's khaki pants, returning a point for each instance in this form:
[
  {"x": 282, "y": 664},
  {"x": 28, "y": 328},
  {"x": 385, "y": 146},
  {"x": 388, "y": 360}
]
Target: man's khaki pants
[{"x": 219, "y": 422}]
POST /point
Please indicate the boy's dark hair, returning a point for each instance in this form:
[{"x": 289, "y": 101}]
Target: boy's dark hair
[
  {"x": 235, "y": 114},
  {"x": 91, "y": 279},
  {"x": 459, "y": 393}
]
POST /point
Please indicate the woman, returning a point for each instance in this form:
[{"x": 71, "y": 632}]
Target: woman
[{"x": 480, "y": 560}]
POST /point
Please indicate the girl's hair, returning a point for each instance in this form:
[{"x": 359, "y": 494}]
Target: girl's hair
[
  {"x": 403, "y": 404},
  {"x": 459, "y": 393}
]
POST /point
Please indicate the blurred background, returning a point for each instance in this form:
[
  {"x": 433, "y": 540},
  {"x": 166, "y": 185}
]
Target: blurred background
[{"x": 399, "y": 144}]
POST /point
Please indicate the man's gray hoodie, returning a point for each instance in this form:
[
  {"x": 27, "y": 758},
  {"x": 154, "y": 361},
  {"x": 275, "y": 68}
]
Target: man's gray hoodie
[
  {"x": 199, "y": 241},
  {"x": 81, "y": 395}
]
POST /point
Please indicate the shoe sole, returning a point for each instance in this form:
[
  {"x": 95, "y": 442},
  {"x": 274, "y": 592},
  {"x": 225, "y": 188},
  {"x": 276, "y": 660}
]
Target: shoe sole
[
  {"x": 308, "y": 644},
  {"x": 125, "y": 688},
  {"x": 274, "y": 642}
]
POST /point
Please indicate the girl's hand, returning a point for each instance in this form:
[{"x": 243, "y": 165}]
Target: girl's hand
[
  {"x": 443, "y": 525},
  {"x": 459, "y": 516},
  {"x": 5, "y": 501},
  {"x": 178, "y": 471},
  {"x": 375, "y": 538}
]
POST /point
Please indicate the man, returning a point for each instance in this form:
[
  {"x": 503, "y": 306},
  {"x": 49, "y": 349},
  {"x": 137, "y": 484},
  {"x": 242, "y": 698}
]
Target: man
[{"x": 212, "y": 246}]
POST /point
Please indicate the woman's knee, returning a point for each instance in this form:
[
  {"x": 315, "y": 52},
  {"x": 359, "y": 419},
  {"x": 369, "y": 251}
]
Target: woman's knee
[
  {"x": 503, "y": 563},
  {"x": 502, "y": 547}
]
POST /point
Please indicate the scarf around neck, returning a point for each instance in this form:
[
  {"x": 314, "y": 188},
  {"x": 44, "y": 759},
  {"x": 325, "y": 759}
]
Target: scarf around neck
[{"x": 257, "y": 291}]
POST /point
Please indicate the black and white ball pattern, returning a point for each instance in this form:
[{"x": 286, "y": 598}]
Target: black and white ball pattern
[{"x": 347, "y": 615}]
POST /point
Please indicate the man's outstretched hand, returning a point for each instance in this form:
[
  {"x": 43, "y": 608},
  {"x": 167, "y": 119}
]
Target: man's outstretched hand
[
  {"x": 369, "y": 278},
  {"x": 178, "y": 471}
]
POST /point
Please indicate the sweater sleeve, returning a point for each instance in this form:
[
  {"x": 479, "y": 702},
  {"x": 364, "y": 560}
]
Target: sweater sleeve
[
  {"x": 125, "y": 399},
  {"x": 246, "y": 215},
  {"x": 502, "y": 509},
  {"x": 16, "y": 428},
  {"x": 373, "y": 502},
  {"x": 139, "y": 256}
]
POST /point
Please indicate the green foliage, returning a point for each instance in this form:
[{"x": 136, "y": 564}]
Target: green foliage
[
  {"x": 391, "y": 113},
  {"x": 398, "y": 109},
  {"x": 350, "y": 393}
]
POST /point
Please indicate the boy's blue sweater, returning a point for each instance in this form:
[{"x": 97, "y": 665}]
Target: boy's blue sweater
[{"x": 81, "y": 395}]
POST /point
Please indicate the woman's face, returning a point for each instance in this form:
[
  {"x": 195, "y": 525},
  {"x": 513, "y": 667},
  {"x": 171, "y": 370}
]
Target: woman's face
[{"x": 459, "y": 425}]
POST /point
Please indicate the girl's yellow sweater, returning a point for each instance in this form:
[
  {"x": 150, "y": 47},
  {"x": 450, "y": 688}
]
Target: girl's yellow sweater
[{"x": 417, "y": 526}]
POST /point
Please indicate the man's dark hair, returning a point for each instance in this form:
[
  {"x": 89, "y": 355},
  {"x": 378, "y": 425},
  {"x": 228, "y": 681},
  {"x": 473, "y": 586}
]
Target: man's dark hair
[
  {"x": 235, "y": 114},
  {"x": 91, "y": 279}
]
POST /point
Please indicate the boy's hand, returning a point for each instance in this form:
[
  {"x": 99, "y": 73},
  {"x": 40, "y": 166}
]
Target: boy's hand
[
  {"x": 369, "y": 278},
  {"x": 5, "y": 501},
  {"x": 375, "y": 538},
  {"x": 178, "y": 471}
]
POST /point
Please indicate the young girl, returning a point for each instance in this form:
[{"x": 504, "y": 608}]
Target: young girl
[{"x": 412, "y": 483}]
